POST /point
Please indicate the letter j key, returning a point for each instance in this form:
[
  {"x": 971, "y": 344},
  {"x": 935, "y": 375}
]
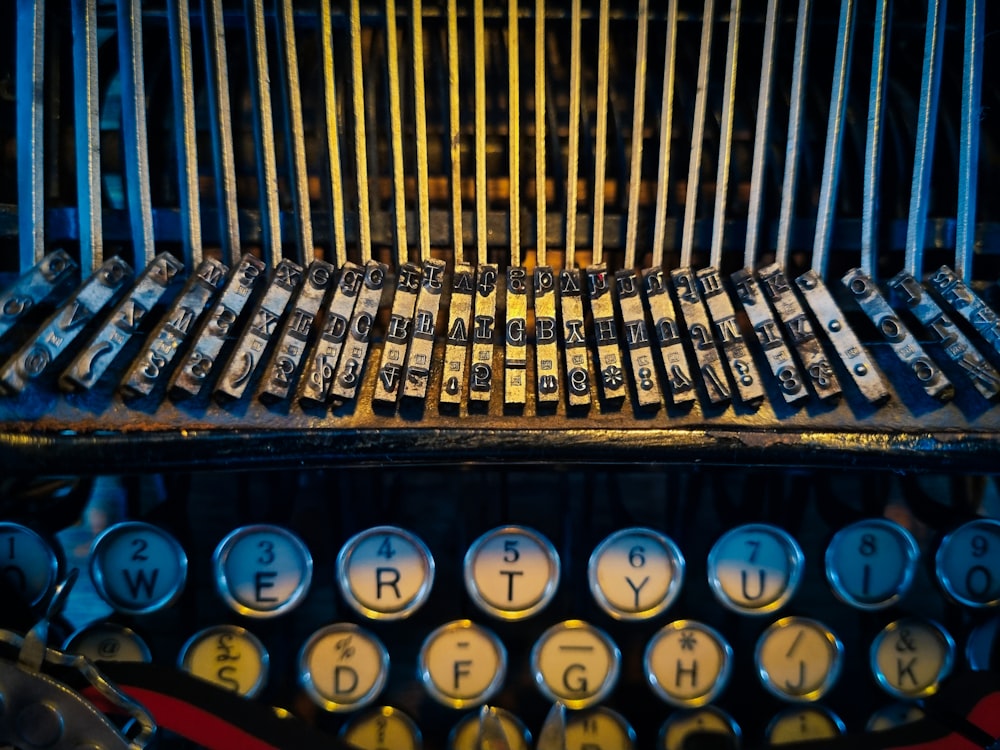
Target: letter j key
[
  {"x": 137, "y": 568},
  {"x": 755, "y": 569}
]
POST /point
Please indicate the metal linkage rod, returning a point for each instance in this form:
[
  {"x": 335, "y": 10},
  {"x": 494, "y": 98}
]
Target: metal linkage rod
[
  {"x": 514, "y": 130},
  {"x": 87, "y": 133},
  {"x": 764, "y": 98},
  {"x": 638, "y": 127},
  {"x": 263, "y": 132},
  {"x": 834, "y": 138},
  {"x": 182, "y": 79},
  {"x": 726, "y": 135},
  {"x": 479, "y": 40},
  {"x": 420, "y": 115},
  {"x": 540, "y": 202},
  {"x": 797, "y": 97},
  {"x": 30, "y": 88},
  {"x": 573, "y": 162},
  {"x": 290, "y": 84},
  {"x": 221, "y": 127},
  {"x": 332, "y": 136},
  {"x": 968, "y": 168},
  {"x": 133, "y": 97},
  {"x": 601, "y": 147},
  {"x": 923, "y": 159},
  {"x": 396, "y": 133},
  {"x": 873, "y": 143},
  {"x": 455, "y": 132},
  {"x": 666, "y": 132},
  {"x": 697, "y": 134},
  {"x": 360, "y": 140}
]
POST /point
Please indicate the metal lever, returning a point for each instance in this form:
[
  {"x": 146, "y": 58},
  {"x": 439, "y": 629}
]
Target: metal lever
[{"x": 41, "y": 712}]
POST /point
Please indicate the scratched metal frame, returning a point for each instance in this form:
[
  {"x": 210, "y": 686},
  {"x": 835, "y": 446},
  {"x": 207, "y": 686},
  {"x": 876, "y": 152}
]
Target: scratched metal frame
[{"x": 424, "y": 160}]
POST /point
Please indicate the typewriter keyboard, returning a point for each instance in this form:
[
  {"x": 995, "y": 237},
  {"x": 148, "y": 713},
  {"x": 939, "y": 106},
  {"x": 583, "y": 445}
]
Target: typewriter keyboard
[{"x": 389, "y": 606}]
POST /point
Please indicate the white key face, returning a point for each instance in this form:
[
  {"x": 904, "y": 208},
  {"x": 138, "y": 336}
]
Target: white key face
[
  {"x": 870, "y": 564},
  {"x": 511, "y": 572},
  {"x": 800, "y": 724},
  {"x": 910, "y": 657},
  {"x": 679, "y": 725},
  {"x": 385, "y": 573},
  {"x": 27, "y": 563},
  {"x": 137, "y": 568},
  {"x": 462, "y": 664},
  {"x": 465, "y": 736},
  {"x": 262, "y": 571},
  {"x": 600, "y": 728},
  {"x": 968, "y": 563},
  {"x": 896, "y": 715},
  {"x": 687, "y": 663},
  {"x": 381, "y": 729},
  {"x": 798, "y": 659},
  {"x": 109, "y": 642},
  {"x": 755, "y": 569},
  {"x": 575, "y": 663},
  {"x": 227, "y": 656},
  {"x": 636, "y": 573},
  {"x": 343, "y": 667}
]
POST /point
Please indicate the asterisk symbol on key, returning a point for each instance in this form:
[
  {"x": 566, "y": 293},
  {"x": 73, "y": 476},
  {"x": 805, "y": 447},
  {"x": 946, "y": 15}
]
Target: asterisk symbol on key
[
  {"x": 688, "y": 641},
  {"x": 613, "y": 377}
]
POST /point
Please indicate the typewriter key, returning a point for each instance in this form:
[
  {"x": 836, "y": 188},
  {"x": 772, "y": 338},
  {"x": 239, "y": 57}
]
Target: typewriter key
[
  {"x": 109, "y": 641},
  {"x": 687, "y": 664},
  {"x": 709, "y": 719},
  {"x": 910, "y": 657},
  {"x": 968, "y": 563},
  {"x": 870, "y": 564},
  {"x": 462, "y": 664},
  {"x": 981, "y": 648},
  {"x": 27, "y": 563},
  {"x": 599, "y": 727},
  {"x": 385, "y": 573},
  {"x": 575, "y": 663},
  {"x": 343, "y": 668},
  {"x": 137, "y": 568},
  {"x": 798, "y": 659},
  {"x": 228, "y": 656},
  {"x": 383, "y": 728},
  {"x": 893, "y": 716},
  {"x": 755, "y": 569},
  {"x": 802, "y": 724},
  {"x": 262, "y": 571},
  {"x": 511, "y": 572},
  {"x": 636, "y": 573},
  {"x": 465, "y": 735}
]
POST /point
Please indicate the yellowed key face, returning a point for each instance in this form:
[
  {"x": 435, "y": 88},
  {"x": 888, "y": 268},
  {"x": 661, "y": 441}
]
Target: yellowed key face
[{"x": 228, "y": 656}]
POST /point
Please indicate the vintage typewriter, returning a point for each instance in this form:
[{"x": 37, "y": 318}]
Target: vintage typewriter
[{"x": 582, "y": 374}]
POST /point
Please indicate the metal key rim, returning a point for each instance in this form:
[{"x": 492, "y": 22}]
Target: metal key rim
[
  {"x": 832, "y": 674},
  {"x": 942, "y": 576},
  {"x": 424, "y": 672},
  {"x": 908, "y": 545},
  {"x": 721, "y": 680},
  {"x": 794, "y": 556},
  {"x": 677, "y": 566},
  {"x": 305, "y": 675}
]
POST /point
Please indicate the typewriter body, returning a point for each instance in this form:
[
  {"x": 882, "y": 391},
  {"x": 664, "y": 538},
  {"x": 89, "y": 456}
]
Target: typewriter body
[{"x": 435, "y": 303}]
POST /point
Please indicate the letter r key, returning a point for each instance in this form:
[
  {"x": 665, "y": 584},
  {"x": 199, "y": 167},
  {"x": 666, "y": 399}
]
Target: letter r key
[{"x": 385, "y": 573}]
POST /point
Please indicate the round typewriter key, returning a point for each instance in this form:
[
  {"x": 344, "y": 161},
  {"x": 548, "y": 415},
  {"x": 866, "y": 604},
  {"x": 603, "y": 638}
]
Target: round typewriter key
[
  {"x": 896, "y": 715},
  {"x": 137, "y": 568},
  {"x": 968, "y": 563},
  {"x": 108, "y": 641},
  {"x": 870, "y": 564},
  {"x": 27, "y": 563},
  {"x": 755, "y": 569},
  {"x": 687, "y": 664},
  {"x": 465, "y": 735},
  {"x": 228, "y": 656},
  {"x": 910, "y": 657},
  {"x": 636, "y": 573},
  {"x": 802, "y": 724},
  {"x": 575, "y": 663},
  {"x": 511, "y": 572},
  {"x": 262, "y": 571},
  {"x": 343, "y": 668},
  {"x": 982, "y": 645},
  {"x": 383, "y": 728},
  {"x": 708, "y": 719},
  {"x": 600, "y": 727},
  {"x": 798, "y": 659},
  {"x": 385, "y": 573},
  {"x": 462, "y": 664}
]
